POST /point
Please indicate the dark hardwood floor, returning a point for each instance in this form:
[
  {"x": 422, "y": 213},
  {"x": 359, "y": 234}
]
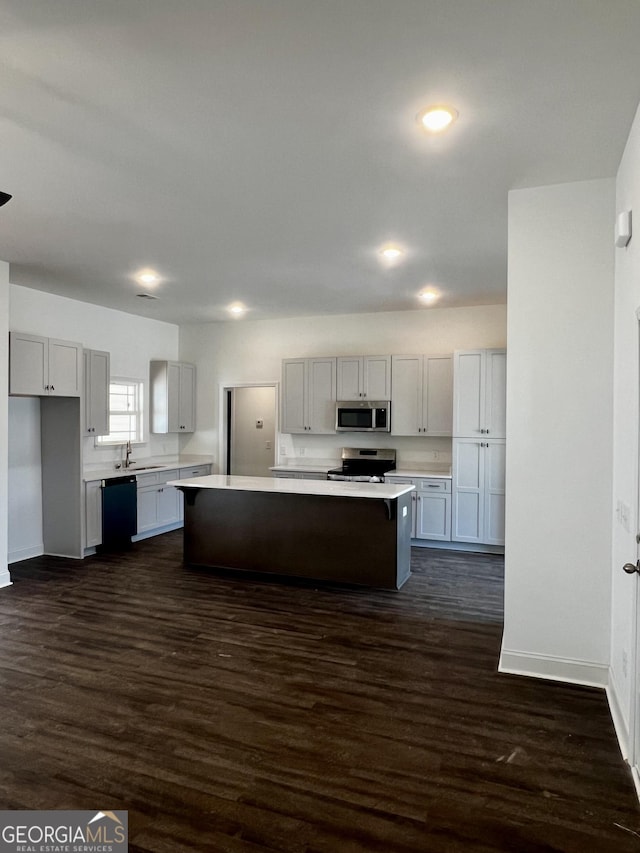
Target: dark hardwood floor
[{"x": 243, "y": 714}]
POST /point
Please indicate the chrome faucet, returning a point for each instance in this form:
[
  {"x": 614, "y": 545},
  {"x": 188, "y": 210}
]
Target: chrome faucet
[{"x": 127, "y": 459}]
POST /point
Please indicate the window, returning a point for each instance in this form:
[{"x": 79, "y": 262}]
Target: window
[{"x": 126, "y": 412}]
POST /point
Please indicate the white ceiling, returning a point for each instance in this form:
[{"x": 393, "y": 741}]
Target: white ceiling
[{"x": 262, "y": 150}]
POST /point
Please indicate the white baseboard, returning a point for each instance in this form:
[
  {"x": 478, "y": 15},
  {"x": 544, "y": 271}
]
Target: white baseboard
[
  {"x": 446, "y": 545},
  {"x": 620, "y": 721},
  {"x": 5, "y": 579},
  {"x": 157, "y": 531},
  {"x": 25, "y": 553},
  {"x": 554, "y": 668}
]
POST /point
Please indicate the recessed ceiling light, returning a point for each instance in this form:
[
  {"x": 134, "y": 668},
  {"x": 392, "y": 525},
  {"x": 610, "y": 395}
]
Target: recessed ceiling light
[
  {"x": 147, "y": 277},
  {"x": 391, "y": 253},
  {"x": 437, "y": 118},
  {"x": 237, "y": 309},
  {"x": 428, "y": 296}
]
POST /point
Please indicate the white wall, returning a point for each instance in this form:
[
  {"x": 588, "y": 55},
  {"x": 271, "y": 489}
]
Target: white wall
[
  {"x": 132, "y": 341},
  {"x": 559, "y": 431},
  {"x": 251, "y": 351},
  {"x": 4, "y": 429},
  {"x": 626, "y": 416}
]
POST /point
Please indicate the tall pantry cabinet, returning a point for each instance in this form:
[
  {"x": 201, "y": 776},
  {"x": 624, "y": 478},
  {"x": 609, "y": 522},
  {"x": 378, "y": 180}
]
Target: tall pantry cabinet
[{"x": 479, "y": 430}]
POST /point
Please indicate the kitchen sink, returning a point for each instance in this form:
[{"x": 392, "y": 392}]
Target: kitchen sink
[{"x": 134, "y": 468}]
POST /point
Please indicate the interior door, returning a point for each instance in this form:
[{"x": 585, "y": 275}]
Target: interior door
[{"x": 252, "y": 430}]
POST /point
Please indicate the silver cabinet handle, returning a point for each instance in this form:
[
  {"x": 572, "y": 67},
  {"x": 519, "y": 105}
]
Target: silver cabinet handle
[{"x": 632, "y": 568}]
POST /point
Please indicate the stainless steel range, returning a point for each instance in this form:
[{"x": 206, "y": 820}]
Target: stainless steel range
[{"x": 364, "y": 465}]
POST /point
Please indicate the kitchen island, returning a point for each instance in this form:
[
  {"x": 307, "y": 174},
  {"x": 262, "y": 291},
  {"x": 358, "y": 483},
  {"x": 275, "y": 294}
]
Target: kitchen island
[{"x": 356, "y": 533}]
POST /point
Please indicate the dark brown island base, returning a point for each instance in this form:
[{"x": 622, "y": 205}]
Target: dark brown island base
[{"x": 355, "y": 533}]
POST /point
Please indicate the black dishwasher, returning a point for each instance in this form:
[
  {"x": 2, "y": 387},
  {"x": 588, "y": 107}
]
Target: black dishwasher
[{"x": 119, "y": 512}]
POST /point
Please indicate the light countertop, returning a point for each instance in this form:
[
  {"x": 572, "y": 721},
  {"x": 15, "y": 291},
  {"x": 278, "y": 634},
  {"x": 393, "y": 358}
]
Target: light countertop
[
  {"x": 158, "y": 464},
  {"x": 341, "y": 489}
]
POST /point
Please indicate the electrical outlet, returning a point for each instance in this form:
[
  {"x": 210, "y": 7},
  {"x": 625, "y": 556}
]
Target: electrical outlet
[
  {"x": 302, "y": 451},
  {"x": 267, "y": 445},
  {"x": 283, "y": 450},
  {"x": 435, "y": 455}
]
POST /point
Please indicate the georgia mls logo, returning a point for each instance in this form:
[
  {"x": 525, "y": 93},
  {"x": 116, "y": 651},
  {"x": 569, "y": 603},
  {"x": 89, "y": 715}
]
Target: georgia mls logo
[{"x": 63, "y": 832}]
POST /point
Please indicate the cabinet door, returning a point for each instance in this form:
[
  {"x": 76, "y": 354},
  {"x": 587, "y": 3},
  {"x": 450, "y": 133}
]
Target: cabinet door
[
  {"x": 96, "y": 391},
  {"x": 496, "y": 393},
  {"x": 174, "y": 373},
  {"x": 494, "y": 478},
  {"x": 377, "y": 377},
  {"x": 28, "y": 364},
  {"x": 93, "y": 513},
  {"x": 437, "y": 395},
  {"x": 65, "y": 368},
  {"x": 468, "y": 491},
  {"x": 321, "y": 395},
  {"x": 147, "y": 508},
  {"x": 168, "y": 507},
  {"x": 350, "y": 378},
  {"x": 433, "y": 518},
  {"x": 293, "y": 395},
  {"x": 468, "y": 393},
  {"x": 187, "y": 398},
  {"x": 414, "y": 499},
  {"x": 406, "y": 410}
]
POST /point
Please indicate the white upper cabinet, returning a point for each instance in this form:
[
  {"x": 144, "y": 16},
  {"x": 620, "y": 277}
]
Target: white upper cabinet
[
  {"x": 422, "y": 395},
  {"x": 44, "y": 367},
  {"x": 367, "y": 376},
  {"x": 96, "y": 392},
  {"x": 309, "y": 395},
  {"x": 479, "y": 383},
  {"x": 173, "y": 386}
]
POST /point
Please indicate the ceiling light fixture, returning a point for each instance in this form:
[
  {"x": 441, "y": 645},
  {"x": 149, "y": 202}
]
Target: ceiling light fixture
[
  {"x": 391, "y": 253},
  {"x": 428, "y": 296},
  {"x": 237, "y": 309},
  {"x": 147, "y": 277},
  {"x": 437, "y": 118}
]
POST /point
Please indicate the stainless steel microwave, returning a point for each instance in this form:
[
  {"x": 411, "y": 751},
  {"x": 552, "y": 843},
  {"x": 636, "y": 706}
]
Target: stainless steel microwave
[{"x": 363, "y": 416}]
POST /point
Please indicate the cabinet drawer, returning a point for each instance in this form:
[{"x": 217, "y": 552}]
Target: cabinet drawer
[
  {"x": 434, "y": 484},
  {"x": 155, "y": 478},
  {"x": 403, "y": 481},
  {"x": 195, "y": 471}
]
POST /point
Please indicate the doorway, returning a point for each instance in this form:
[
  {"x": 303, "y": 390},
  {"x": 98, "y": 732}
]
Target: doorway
[
  {"x": 634, "y": 723},
  {"x": 250, "y": 430}
]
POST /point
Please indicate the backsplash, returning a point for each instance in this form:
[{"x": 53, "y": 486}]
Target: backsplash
[{"x": 411, "y": 451}]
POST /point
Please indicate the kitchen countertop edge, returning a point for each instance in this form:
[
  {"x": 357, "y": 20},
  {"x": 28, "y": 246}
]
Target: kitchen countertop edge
[{"x": 275, "y": 485}]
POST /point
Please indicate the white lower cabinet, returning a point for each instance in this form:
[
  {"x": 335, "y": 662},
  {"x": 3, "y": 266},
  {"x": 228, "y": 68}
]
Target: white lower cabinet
[
  {"x": 93, "y": 513},
  {"x": 430, "y": 506},
  {"x": 478, "y": 491},
  {"x": 158, "y": 503},
  {"x": 433, "y": 511}
]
